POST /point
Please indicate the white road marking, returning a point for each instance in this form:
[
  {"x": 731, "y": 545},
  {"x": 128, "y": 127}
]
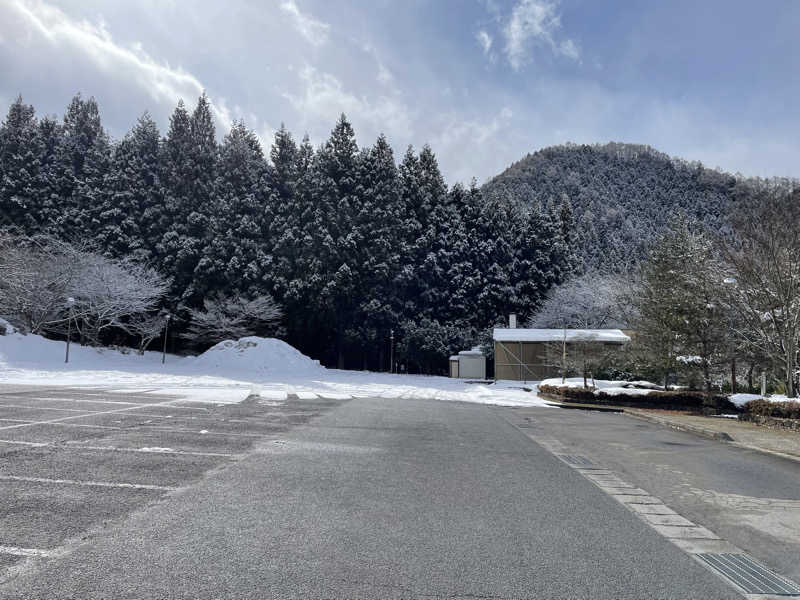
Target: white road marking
[
  {"x": 83, "y": 400},
  {"x": 65, "y": 424},
  {"x": 105, "y": 412},
  {"x": 38, "y": 444},
  {"x": 26, "y": 551},
  {"x": 207, "y": 432},
  {"x": 51, "y": 408},
  {"x": 72, "y": 446},
  {"x": 107, "y": 484},
  {"x": 72, "y": 410}
]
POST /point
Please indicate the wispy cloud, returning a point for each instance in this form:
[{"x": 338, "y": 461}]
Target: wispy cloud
[
  {"x": 315, "y": 32},
  {"x": 164, "y": 83},
  {"x": 535, "y": 22},
  {"x": 485, "y": 41},
  {"x": 324, "y": 98}
]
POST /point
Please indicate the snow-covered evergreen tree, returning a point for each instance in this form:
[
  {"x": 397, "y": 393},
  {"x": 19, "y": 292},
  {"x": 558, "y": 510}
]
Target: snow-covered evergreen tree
[{"x": 129, "y": 216}]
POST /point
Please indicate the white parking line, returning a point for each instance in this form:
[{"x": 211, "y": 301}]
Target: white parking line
[
  {"x": 105, "y": 412},
  {"x": 149, "y": 450},
  {"x": 81, "y": 401},
  {"x": 65, "y": 424},
  {"x": 73, "y": 410},
  {"x": 21, "y": 443},
  {"x": 40, "y": 408},
  {"x": 107, "y": 484},
  {"x": 26, "y": 551}
]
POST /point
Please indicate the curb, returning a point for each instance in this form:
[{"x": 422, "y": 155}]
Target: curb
[{"x": 719, "y": 436}]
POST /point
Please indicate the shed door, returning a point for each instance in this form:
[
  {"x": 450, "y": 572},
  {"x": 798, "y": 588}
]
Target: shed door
[{"x": 454, "y": 368}]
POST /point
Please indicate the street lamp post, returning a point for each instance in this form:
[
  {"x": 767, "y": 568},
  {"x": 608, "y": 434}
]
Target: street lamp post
[
  {"x": 70, "y": 303},
  {"x": 166, "y": 331},
  {"x": 391, "y": 350}
]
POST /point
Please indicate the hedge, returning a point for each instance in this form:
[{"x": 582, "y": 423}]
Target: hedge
[
  {"x": 677, "y": 400},
  {"x": 779, "y": 410}
]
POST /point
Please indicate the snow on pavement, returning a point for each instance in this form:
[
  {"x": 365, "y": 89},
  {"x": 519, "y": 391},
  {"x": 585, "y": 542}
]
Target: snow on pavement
[{"x": 231, "y": 371}]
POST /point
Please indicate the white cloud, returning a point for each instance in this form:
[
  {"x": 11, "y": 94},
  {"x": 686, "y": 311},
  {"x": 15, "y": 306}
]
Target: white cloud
[
  {"x": 385, "y": 76},
  {"x": 129, "y": 66},
  {"x": 535, "y": 22},
  {"x": 485, "y": 139},
  {"x": 325, "y": 98},
  {"x": 315, "y": 32},
  {"x": 485, "y": 40}
]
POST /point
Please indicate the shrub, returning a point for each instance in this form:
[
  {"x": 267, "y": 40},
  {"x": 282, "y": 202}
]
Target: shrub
[
  {"x": 674, "y": 400},
  {"x": 780, "y": 410}
]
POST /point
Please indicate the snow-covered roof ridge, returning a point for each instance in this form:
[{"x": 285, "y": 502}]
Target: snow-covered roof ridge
[{"x": 557, "y": 335}]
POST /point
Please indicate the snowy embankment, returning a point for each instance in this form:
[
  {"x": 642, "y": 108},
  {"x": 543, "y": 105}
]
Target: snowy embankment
[{"x": 229, "y": 372}]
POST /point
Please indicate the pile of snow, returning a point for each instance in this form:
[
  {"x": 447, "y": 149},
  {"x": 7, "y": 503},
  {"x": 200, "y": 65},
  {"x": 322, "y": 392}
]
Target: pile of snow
[{"x": 256, "y": 356}]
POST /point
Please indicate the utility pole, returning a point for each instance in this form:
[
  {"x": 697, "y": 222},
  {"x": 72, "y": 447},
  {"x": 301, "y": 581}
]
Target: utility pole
[
  {"x": 166, "y": 330},
  {"x": 70, "y": 302},
  {"x": 391, "y": 350}
]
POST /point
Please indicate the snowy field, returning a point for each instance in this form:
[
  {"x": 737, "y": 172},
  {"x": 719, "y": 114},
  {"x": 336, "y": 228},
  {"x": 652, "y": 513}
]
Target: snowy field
[{"x": 229, "y": 372}]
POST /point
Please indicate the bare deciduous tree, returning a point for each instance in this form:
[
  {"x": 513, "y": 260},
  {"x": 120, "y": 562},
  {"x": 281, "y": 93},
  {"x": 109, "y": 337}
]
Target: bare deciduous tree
[
  {"x": 765, "y": 290},
  {"x": 106, "y": 291},
  {"x": 587, "y": 302},
  {"x": 38, "y": 275},
  {"x": 591, "y": 301},
  {"x": 145, "y": 326},
  {"x": 232, "y": 318}
]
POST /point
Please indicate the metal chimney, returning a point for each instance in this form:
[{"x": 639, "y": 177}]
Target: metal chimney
[{"x": 512, "y": 321}]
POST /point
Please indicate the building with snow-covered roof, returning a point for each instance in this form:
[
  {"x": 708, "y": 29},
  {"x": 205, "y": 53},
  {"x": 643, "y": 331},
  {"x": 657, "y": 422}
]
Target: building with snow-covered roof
[
  {"x": 535, "y": 354},
  {"x": 468, "y": 364}
]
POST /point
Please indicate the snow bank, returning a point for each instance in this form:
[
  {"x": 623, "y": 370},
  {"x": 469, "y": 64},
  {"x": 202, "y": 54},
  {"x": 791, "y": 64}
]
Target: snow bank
[
  {"x": 229, "y": 372},
  {"x": 611, "y": 388},
  {"x": 742, "y": 399},
  {"x": 256, "y": 356}
]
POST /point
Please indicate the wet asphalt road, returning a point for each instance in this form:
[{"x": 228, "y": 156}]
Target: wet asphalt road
[{"x": 367, "y": 498}]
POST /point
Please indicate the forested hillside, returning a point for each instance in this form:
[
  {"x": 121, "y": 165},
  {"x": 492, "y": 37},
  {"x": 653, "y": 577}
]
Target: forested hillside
[
  {"x": 621, "y": 195},
  {"x": 351, "y": 244}
]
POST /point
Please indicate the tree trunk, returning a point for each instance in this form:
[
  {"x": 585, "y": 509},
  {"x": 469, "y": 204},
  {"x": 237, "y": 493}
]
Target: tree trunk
[
  {"x": 733, "y": 375},
  {"x": 790, "y": 391},
  {"x": 750, "y": 377}
]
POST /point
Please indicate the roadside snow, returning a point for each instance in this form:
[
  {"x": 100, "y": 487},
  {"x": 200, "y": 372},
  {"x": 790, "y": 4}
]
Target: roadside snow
[
  {"x": 742, "y": 399},
  {"x": 612, "y": 388},
  {"x": 231, "y": 371}
]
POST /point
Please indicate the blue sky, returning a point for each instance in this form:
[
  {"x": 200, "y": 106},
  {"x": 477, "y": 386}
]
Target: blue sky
[{"x": 483, "y": 81}]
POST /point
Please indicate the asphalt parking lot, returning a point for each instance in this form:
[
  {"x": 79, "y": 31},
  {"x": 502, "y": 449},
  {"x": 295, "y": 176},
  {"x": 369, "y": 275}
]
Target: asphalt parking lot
[
  {"x": 73, "y": 462},
  {"x": 369, "y": 498}
]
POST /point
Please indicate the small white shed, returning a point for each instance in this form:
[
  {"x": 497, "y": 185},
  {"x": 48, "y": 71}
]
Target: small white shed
[{"x": 468, "y": 364}]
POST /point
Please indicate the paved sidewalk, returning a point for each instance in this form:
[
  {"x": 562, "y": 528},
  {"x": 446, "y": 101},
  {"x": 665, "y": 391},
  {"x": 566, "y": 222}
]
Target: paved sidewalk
[{"x": 744, "y": 434}]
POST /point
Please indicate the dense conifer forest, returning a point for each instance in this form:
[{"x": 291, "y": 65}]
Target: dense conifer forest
[{"x": 353, "y": 244}]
